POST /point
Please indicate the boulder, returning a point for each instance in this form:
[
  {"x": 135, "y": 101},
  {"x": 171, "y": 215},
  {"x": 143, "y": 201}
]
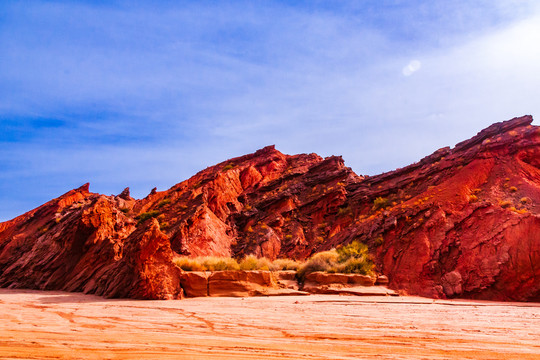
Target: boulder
[
  {"x": 322, "y": 278},
  {"x": 194, "y": 283},
  {"x": 241, "y": 283},
  {"x": 381, "y": 280}
]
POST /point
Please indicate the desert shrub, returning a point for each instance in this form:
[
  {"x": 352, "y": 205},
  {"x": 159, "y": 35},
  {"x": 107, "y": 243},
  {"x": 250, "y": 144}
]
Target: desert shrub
[
  {"x": 504, "y": 203},
  {"x": 164, "y": 202},
  {"x": 379, "y": 240},
  {"x": 125, "y": 210},
  {"x": 323, "y": 261},
  {"x": 227, "y": 167},
  {"x": 362, "y": 265},
  {"x": 210, "y": 263},
  {"x": 213, "y": 263},
  {"x": 355, "y": 249},
  {"x": 147, "y": 215},
  {"x": 380, "y": 203},
  {"x": 351, "y": 258},
  {"x": 355, "y": 258},
  {"x": 188, "y": 264},
  {"x": 513, "y": 189},
  {"x": 286, "y": 264},
  {"x": 473, "y": 198},
  {"x": 251, "y": 262}
]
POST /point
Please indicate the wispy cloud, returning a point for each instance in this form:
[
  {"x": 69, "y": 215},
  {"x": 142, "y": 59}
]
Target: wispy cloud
[{"x": 140, "y": 95}]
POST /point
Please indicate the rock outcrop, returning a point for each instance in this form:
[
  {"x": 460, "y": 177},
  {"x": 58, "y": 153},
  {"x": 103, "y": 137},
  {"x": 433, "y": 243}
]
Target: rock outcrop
[
  {"x": 238, "y": 283},
  {"x": 344, "y": 284},
  {"x": 462, "y": 222}
]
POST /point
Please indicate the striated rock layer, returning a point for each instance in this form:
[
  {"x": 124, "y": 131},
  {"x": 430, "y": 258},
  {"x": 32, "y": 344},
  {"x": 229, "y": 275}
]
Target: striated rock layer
[{"x": 462, "y": 222}]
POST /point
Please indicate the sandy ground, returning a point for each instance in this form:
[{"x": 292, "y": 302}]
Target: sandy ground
[{"x": 56, "y": 325}]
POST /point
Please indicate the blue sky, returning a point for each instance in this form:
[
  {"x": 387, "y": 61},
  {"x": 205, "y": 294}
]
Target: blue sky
[{"x": 130, "y": 93}]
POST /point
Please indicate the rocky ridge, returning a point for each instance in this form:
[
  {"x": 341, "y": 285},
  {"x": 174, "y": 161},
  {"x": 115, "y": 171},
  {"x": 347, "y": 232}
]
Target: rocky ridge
[{"x": 462, "y": 222}]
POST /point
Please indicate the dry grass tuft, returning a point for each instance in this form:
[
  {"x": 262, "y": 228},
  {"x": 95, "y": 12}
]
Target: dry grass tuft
[
  {"x": 287, "y": 264},
  {"x": 250, "y": 262},
  {"x": 207, "y": 263}
]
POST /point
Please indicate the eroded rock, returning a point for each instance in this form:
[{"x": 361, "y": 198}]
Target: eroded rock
[{"x": 473, "y": 210}]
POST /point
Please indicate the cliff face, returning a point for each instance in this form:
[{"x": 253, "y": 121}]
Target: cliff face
[{"x": 462, "y": 222}]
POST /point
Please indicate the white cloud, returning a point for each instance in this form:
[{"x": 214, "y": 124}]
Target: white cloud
[{"x": 411, "y": 67}]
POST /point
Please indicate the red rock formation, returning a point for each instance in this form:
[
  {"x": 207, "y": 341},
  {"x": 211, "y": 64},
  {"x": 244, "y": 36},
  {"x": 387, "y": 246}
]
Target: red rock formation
[{"x": 462, "y": 222}]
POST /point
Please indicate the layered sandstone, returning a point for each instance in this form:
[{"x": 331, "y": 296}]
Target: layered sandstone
[
  {"x": 462, "y": 222},
  {"x": 237, "y": 283}
]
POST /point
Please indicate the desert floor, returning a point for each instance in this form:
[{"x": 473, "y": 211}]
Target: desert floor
[{"x": 57, "y": 325}]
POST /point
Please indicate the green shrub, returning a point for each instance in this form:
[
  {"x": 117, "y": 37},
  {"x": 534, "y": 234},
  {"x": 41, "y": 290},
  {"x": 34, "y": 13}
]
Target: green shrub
[
  {"x": 355, "y": 258},
  {"x": 164, "y": 202},
  {"x": 362, "y": 266},
  {"x": 344, "y": 211},
  {"x": 351, "y": 258},
  {"x": 227, "y": 167},
  {"x": 147, "y": 215},
  {"x": 355, "y": 249},
  {"x": 380, "y": 203}
]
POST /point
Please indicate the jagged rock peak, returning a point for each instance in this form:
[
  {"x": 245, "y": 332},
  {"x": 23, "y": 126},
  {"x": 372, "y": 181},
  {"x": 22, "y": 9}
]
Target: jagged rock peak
[
  {"x": 125, "y": 194},
  {"x": 84, "y": 188},
  {"x": 494, "y": 130},
  {"x": 266, "y": 150}
]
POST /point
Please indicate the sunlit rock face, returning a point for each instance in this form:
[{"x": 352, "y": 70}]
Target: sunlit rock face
[{"x": 462, "y": 222}]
